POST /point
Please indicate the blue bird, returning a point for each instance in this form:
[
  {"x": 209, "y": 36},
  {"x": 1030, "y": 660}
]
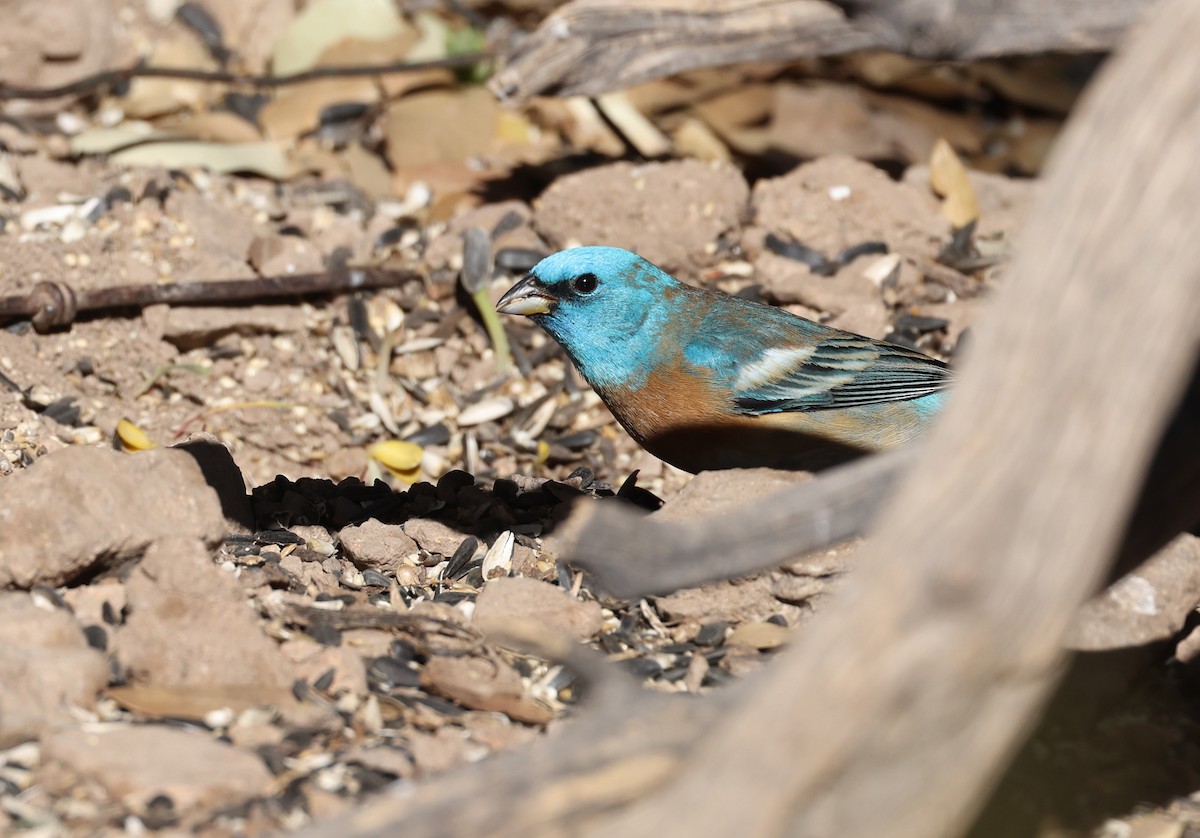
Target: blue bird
[{"x": 704, "y": 380}]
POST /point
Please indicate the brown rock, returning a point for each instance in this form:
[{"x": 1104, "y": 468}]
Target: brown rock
[
  {"x": 483, "y": 683},
  {"x": 136, "y": 764},
  {"x": 50, "y": 42},
  {"x": 46, "y": 666},
  {"x": 445, "y": 252},
  {"x": 528, "y": 561},
  {"x": 830, "y": 205},
  {"x": 788, "y": 281},
  {"x": 189, "y": 624},
  {"x": 440, "y": 126},
  {"x": 275, "y": 255},
  {"x": 735, "y": 601},
  {"x": 250, "y": 29},
  {"x": 368, "y": 643},
  {"x": 439, "y": 611},
  {"x": 439, "y": 751},
  {"x": 190, "y": 328},
  {"x": 671, "y": 213},
  {"x": 822, "y": 118},
  {"x": 347, "y": 462},
  {"x": 196, "y": 702},
  {"x": 868, "y": 316},
  {"x": 384, "y": 758},
  {"x": 513, "y": 599},
  {"x": 838, "y": 202},
  {"x": 786, "y": 587},
  {"x": 758, "y": 635},
  {"x": 222, "y": 234},
  {"x": 378, "y": 545},
  {"x": 82, "y": 507},
  {"x": 223, "y": 475},
  {"x": 1003, "y": 201},
  {"x": 88, "y": 601},
  {"x": 712, "y": 493},
  {"x": 434, "y": 536},
  {"x": 961, "y": 313},
  {"x": 311, "y": 574},
  {"x": 1149, "y": 604},
  {"x": 312, "y": 660},
  {"x": 830, "y": 561}
]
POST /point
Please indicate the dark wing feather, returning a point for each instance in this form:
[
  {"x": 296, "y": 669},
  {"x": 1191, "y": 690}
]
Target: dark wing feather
[{"x": 848, "y": 371}]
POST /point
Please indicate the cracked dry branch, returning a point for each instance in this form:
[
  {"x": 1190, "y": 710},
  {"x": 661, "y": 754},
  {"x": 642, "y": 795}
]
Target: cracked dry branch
[
  {"x": 900, "y": 702},
  {"x": 591, "y": 47}
]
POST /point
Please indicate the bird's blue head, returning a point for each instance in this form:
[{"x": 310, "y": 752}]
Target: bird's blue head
[{"x": 605, "y": 305}]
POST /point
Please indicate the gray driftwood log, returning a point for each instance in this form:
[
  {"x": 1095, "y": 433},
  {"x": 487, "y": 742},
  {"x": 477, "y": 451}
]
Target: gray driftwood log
[
  {"x": 901, "y": 701},
  {"x": 591, "y": 47}
]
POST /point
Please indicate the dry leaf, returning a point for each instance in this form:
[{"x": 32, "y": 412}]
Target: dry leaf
[
  {"x": 297, "y": 109},
  {"x": 948, "y": 176},
  {"x": 448, "y": 126},
  {"x": 923, "y": 79},
  {"x": 1031, "y": 143},
  {"x": 737, "y": 117},
  {"x": 739, "y": 108},
  {"x": 264, "y": 157},
  {"x": 211, "y": 126},
  {"x": 434, "y": 35},
  {"x": 694, "y": 138},
  {"x": 387, "y": 51},
  {"x": 108, "y": 140},
  {"x": 577, "y": 119},
  {"x": 367, "y": 171},
  {"x": 453, "y": 185},
  {"x": 326, "y": 22},
  {"x": 1051, "y": 83},
  {"x": 193, "y": 702},
  {"x": 638, "y": 130},
  {"x": 153, "y": 97},
  {"x": 483, "y": 683}
]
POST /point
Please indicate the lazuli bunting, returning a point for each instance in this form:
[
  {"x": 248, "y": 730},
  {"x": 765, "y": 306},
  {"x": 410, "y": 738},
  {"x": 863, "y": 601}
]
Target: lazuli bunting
[{"x": 705, "y": 380}]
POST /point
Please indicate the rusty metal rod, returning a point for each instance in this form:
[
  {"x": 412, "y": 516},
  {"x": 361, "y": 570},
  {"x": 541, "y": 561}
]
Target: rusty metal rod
[{"x": 52, "y": 305}]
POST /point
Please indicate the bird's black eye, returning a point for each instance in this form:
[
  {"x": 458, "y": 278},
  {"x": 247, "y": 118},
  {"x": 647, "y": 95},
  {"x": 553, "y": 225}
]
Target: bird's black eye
[{"x": 584, "y": 283}]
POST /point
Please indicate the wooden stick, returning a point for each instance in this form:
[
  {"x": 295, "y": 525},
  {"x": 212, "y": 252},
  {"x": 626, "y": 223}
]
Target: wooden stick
[
  {"x": 590, "y": 47},
  {"x": 634, "y": 556},
  {"x": 905, "y": 697}
]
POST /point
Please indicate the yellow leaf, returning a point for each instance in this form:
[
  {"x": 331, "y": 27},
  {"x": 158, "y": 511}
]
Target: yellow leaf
[{"x": 949, "y": 178}]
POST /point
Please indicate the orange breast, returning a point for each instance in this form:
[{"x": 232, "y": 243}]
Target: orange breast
[{"x": 683, "y": 420}]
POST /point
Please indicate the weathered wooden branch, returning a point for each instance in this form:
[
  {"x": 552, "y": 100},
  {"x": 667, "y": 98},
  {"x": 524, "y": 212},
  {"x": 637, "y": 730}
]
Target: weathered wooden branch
[
  {"x": 966, "y": 29},
  {"x": 904, "y": 698},
  {"x": 591, "y": 47},
  {"x": 900, "y": 702},
  {"x": 632, "y": 555}
]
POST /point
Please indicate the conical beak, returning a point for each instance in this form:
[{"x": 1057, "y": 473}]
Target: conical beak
[{"x": 526, "y": 297}]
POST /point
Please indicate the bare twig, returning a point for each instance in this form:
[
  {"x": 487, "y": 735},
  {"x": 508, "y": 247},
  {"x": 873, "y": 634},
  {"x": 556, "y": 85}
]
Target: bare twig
[
  {"x": 52, "y": 305},
  {"x": 907, "y": 694},
  {"x": 590, "y": 47},
  {"x": 110, "y": 78},
  {"x": 632, "y": 555}
]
